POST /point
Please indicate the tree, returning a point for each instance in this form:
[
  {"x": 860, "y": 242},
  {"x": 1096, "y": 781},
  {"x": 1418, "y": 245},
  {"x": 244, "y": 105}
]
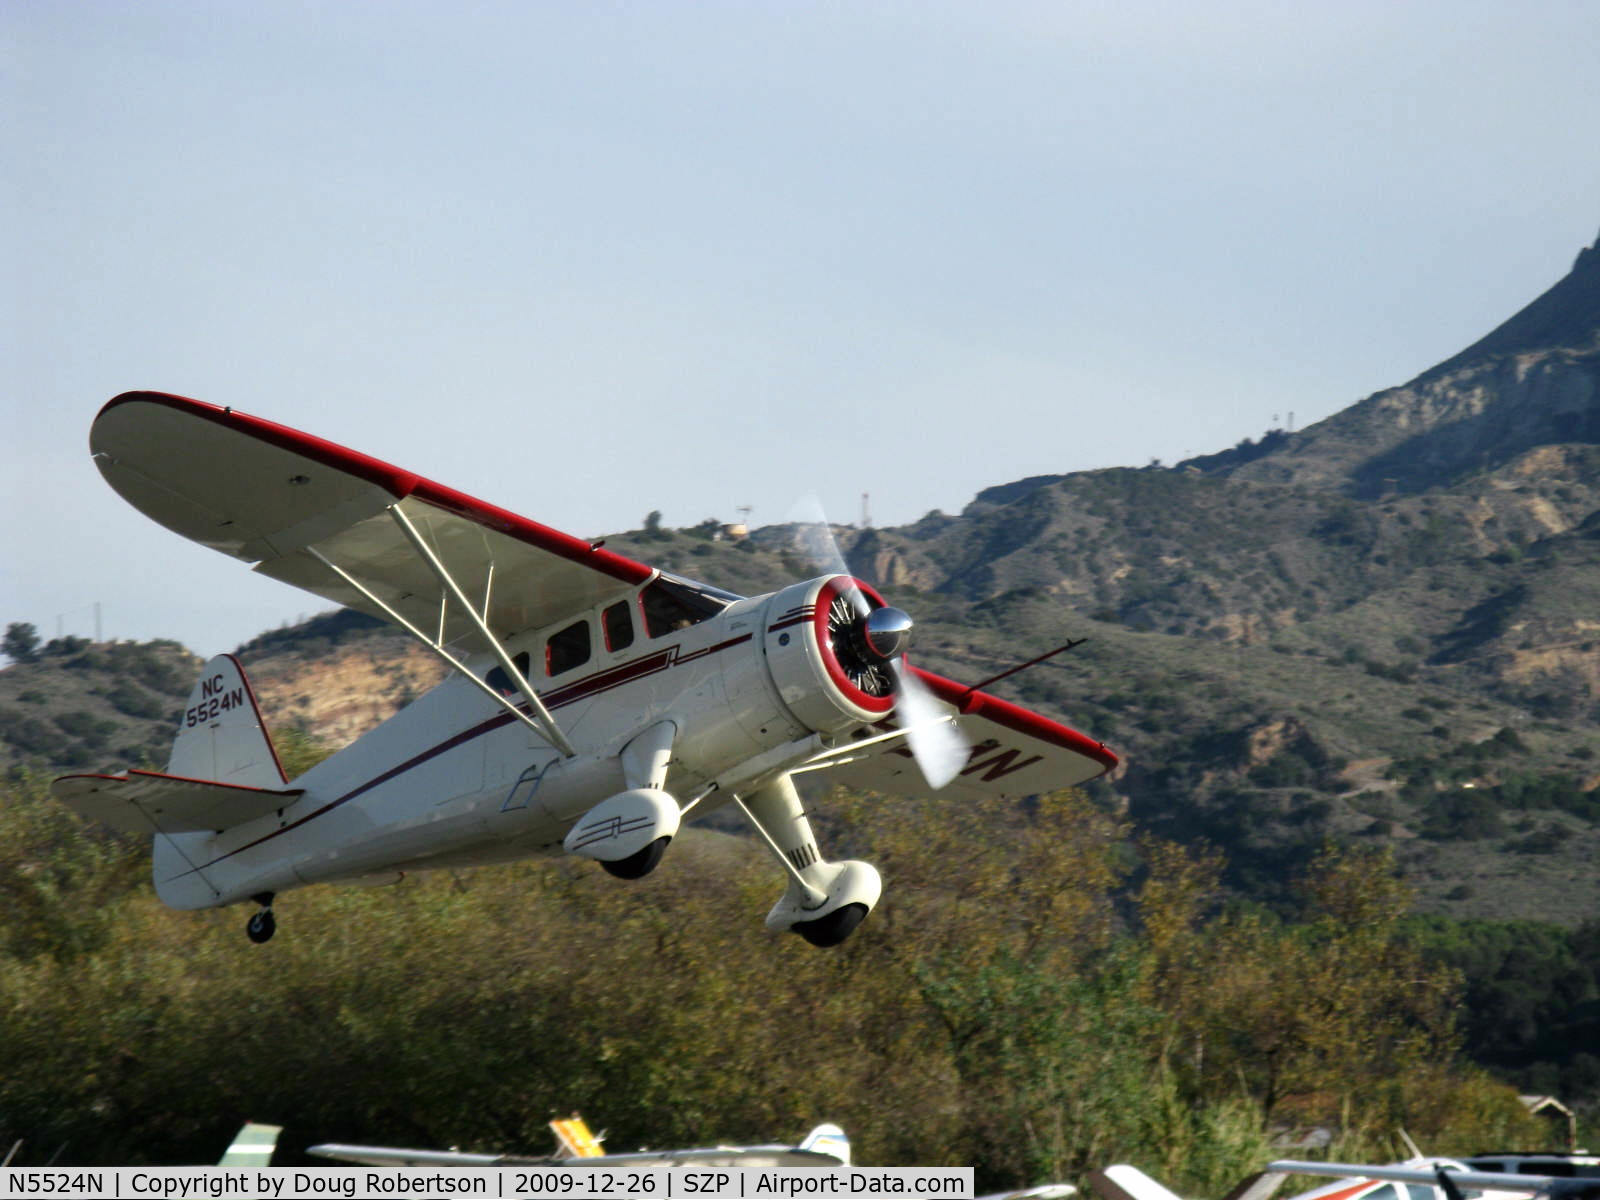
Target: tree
[{"x": 21, "y": 643}]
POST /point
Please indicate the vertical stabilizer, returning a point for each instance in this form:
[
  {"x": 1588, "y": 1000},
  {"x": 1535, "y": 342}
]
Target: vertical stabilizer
[
  {"x": 253, "y": 1147},
  {"x": 828, "y": 1139},
  {"x": 221, "y": 736}
]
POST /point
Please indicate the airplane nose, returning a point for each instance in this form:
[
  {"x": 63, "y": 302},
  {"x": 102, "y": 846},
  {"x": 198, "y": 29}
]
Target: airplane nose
[{"x": 888, "y": 632}]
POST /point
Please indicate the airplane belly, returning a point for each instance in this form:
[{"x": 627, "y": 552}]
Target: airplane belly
[
  {"x": 396, "y": 844},
  {"x": 380, "y": 819},
  {"x": 205, "y": 870},
  {"x": 173, "y": 868}
]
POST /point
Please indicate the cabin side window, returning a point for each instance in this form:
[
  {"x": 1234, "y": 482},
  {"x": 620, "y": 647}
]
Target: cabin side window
[
  {"x": 501, "y": 682},
  {"x": 668, "y": 605},
  {"x": 567, "y": 648},
  {"x": 617, "y": 624}
]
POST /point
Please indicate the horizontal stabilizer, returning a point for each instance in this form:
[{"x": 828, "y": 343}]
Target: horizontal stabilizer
[{"x": 149, "y": 802}]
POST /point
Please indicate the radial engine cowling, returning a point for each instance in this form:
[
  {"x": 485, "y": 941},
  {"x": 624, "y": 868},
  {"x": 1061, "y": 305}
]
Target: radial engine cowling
[{"x": 823, "y": 660}]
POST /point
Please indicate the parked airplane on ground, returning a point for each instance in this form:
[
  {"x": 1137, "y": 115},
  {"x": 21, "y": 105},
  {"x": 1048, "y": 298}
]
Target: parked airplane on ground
[
  {"x": 824, "y": 1146},
  {"x": 1421, "y": 1178},
  {"x": 595, "y": 701},
  {"x": 1435, "y": 1179},
  {"x": 252, "y": 1146}
]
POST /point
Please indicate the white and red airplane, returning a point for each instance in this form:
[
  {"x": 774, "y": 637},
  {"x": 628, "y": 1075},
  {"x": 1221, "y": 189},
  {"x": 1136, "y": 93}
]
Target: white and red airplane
[
  {"x": 595, "y": 701},
  {"x": 1419, "y": 1178}
]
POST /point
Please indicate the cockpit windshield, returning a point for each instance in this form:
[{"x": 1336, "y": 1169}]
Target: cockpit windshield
[{"x": 671, "y": 603}]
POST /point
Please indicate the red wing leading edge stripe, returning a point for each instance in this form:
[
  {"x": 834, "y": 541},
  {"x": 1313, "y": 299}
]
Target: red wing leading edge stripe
[{"x": 401, "y": 483}]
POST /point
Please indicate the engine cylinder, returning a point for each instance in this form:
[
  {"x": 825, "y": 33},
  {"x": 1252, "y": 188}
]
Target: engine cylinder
[{"x": 822, "y": 678}]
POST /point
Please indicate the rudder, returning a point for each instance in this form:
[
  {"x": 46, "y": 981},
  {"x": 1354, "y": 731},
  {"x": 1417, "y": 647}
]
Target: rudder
[{"x": 221, "y": 736}]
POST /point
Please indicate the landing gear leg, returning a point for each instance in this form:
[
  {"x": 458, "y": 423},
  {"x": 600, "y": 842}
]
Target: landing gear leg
[
  {"x": 824, "y": 901},
  {"x": 262, "y": 925}
]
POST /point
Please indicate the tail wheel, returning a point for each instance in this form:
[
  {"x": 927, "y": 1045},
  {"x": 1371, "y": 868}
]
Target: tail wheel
[{"x": 261, "y": 927}]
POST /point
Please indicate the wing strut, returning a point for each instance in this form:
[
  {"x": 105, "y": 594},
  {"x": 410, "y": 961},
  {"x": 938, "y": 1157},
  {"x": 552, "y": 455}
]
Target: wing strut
[
  {"x": 546, "y": 722},
  {"x": 539, "y": 720}
]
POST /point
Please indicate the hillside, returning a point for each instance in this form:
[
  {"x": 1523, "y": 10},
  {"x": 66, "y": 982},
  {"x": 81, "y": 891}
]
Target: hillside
[
  {"x": 81, "y": 705},
  {"x": 1384, "y": 627},
  {"x": 1533, "y": 381}
]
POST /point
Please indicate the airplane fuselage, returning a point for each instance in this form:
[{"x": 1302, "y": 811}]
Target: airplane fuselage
[{"x": 456, "y": 780}]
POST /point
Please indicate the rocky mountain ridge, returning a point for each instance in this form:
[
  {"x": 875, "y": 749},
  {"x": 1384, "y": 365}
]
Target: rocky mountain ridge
[{"x": 1532, "y": 381}]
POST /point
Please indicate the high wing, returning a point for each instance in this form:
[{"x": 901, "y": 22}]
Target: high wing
[
  {"x": 149, "y": 802},
  {"x": 291, "y": 503},
  {"x": 1015, "y": 751}
]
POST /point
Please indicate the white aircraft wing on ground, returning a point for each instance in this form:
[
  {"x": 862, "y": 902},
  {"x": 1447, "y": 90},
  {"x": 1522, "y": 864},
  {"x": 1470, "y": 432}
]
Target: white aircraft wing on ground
[
  {"x": 825, "y": 1146},
  {"x": 1423, "y": 1178},
  {"x": 1446, "y": 1176}
]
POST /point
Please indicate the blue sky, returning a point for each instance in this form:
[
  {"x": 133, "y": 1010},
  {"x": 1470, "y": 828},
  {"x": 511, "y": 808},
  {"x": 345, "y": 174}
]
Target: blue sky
[{"x": 590, "y": 260}]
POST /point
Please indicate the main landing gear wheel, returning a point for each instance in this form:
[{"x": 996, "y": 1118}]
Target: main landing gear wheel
[
  {"x": 833, "y": 928},
  {"x": 640, "y": 864}
]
